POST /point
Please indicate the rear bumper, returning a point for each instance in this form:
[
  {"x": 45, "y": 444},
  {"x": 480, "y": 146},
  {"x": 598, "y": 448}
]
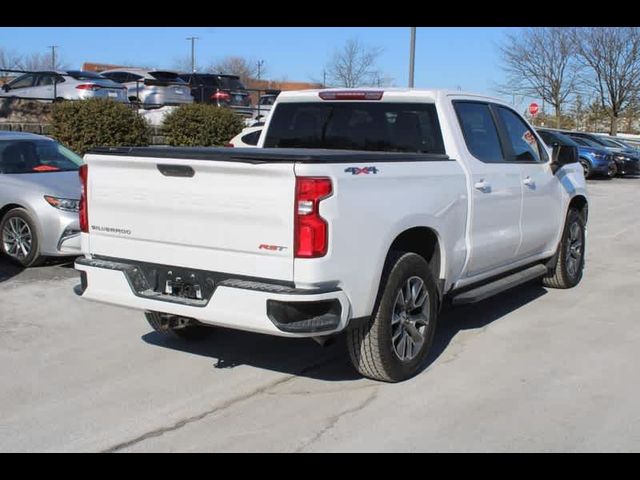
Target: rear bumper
[{"x": 256, "y": 306}]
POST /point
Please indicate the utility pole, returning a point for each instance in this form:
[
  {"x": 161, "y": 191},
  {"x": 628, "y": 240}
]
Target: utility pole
[
  {"x": 53, "y": 56},
  {"x": 324, "y": 79},
  {"x": 260, "y": 64},
  {"x": 193, "y": 52},
  {"x": 412, "y": 56}
]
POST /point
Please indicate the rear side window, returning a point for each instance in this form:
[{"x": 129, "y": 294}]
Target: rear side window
[
  {"x": 479, "y": 130},
  {"x": 251, "y": 138},
  {"x": 523, "y": 142},
  {"x": 383, "y": 127}
]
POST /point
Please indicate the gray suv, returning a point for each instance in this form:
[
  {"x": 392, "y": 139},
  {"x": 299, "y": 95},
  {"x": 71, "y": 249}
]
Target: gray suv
[{"x": 152, "y": 88}]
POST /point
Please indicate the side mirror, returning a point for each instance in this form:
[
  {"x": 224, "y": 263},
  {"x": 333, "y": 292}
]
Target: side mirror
[
  {"x": 563, "y": 155},
  {"x": 6, "y": 87}
]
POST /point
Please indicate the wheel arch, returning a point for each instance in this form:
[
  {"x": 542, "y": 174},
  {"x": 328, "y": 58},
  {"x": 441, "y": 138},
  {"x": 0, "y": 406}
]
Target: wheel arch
[
  {"x": 426, "y": 242},
  {"x": 580, "y": 203}
]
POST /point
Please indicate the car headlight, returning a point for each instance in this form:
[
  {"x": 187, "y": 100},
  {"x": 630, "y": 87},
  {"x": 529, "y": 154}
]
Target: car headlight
[
  {"x": 621, "y": 157},
  {"x": 599, "y": 156},
  {"x": 66, "y": 204}
]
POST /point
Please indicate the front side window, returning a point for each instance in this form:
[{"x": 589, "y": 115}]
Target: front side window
[
  {"x": 23, "y": 82},
  {"x": 36, "y": 156},
  {"x": 523, "y": 142},
  {"x": 252, "y": 138},
  {"x": 479, "y": 130},
  {"x": 383, "y": 127}
]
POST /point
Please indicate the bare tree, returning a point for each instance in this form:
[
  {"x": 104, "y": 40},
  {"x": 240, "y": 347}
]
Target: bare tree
[
  {"x": 40, "y": 61},
  {"x": 182, "y": 63},
  {"x": 541, "y": 62},
  {"x": 354, "y": 65},
  {"x": 9, "y": 60},
  {"x": 246, "y": 69},
  {"x": 613, "y": 56}
]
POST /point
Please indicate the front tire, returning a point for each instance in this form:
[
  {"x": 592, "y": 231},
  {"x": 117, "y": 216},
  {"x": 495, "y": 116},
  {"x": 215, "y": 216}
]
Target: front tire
[
  {"x": 19, "y": 238},
  {"x": 177, "y": 328},
  {"x": 394, "y": 343},
  {"x": 569, "y": 261},
  {"x": 586, "y": 168}
]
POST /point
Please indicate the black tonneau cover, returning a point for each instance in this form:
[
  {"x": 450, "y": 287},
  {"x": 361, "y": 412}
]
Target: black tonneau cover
[{"x": 268, "y": 155}]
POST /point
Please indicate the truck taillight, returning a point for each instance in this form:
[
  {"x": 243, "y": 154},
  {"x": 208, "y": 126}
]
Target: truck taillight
[
  {"x": 311, "y": 237},
  {"x": 84, "y": 213}
]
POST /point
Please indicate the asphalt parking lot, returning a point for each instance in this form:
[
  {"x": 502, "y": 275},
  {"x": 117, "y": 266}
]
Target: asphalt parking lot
[{"x": 529, "y": 370}]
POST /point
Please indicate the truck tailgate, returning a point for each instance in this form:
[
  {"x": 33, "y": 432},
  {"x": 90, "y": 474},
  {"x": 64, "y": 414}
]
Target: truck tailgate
[{"x": 216, "y": 215}]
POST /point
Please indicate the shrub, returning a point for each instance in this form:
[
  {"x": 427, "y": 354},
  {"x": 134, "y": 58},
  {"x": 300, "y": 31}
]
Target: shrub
[
  {"x": 200, "y": 125},
  {"x": 84, "y": 124}
]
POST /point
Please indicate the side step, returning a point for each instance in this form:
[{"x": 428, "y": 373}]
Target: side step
[{"x": 500, "y": 285}]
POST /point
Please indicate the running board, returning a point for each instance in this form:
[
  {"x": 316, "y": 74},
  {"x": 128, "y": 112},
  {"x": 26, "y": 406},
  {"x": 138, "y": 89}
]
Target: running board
[{"x": 500, "y": 285}]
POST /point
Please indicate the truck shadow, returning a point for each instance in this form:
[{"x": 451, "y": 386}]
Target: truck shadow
[
  {"x": 304, "y": 357},
  {"x": 8, "y": 269}
]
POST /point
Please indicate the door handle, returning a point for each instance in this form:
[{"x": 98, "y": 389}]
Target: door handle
[
  {"x": 482, "y": 186},
  {"x": 529, "y": 182}
]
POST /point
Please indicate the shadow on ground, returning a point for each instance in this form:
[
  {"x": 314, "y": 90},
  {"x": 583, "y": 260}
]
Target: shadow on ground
[
  {"x": 9, "y": 269},
  {"x": 304, "y": 357}
]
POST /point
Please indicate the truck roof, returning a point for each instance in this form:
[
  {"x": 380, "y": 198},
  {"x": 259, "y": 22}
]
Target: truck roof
[{"x": 389, "y": 94}]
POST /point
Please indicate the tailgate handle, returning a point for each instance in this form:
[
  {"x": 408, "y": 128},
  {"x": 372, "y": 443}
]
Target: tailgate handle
[{"x": 176, "y": 170}]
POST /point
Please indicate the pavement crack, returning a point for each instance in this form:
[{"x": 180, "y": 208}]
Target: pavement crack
[
  {"x": 225, "y": 405},
  {"x": 332, "y": 422}
]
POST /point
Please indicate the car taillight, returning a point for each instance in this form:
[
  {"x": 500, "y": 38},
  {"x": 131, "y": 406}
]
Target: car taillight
[
  {"x": 83, "y": 211},
  {"x": 230, "y": 145},
  {"x": 221, "y": 97},
  {"x": 88, "y": 86},
  {"x": 351, "y": 95},
  {"x": 311, "y": 237}
]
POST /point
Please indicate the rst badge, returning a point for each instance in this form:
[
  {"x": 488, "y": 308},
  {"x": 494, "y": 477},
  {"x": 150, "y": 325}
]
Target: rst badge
[
  {"x": 272, "y": 248},
  {"x": 361, "y": 170}
]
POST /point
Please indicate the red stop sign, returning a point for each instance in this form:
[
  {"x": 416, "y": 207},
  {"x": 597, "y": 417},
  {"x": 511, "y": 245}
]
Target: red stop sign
[{"x": 533, "y": 108}]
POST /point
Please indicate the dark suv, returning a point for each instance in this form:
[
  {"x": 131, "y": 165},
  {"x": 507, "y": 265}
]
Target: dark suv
[{"x": 220, "y": 90}]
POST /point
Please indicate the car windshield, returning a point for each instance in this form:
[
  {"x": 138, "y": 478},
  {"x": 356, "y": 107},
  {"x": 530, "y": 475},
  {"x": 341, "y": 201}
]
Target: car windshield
[
  {"x": 267, "y": 100},
  {"x": 36, "y": 156},
  {"x": 555, "y": 137},
  {"x": 167, "y": 77},
  {"x": 78, "y": 75},
  {"x": 382, "y": 127},
  {"x": 586, "y": 142},
  {"x": 231, "y": 83},
  {"x": 609, "y": 143}
]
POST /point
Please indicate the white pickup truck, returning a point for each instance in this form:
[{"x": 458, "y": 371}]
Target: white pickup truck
[{"x": 362, "y": 211}]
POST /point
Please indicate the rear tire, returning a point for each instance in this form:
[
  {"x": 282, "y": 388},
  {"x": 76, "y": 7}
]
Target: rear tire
[
  {"x": 19, "y": 238},
  {"x": 612, "y": 172},
  {"x": 395, "y": 341},
  {"x": 171, "y": 326},
  {"x": 569, "y": 261}
]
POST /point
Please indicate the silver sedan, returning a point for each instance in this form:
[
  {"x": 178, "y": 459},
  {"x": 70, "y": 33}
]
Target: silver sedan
[
  {"x": 66, "y": 85},
  {"x": 39, "y": 198}
]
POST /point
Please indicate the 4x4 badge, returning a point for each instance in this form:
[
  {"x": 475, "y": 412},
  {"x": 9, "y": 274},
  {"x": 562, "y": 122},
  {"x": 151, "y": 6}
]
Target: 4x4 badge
[{"x": 359, "y": 170}]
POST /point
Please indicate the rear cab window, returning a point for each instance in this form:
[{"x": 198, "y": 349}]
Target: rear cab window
[{"x": 346, "y": 125}]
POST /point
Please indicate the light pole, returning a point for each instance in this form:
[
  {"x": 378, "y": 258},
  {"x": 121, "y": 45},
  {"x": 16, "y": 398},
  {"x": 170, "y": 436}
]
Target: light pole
[
  {"x": 53, "y": 56},
  {"x": 193, "y": 52},
  {"x": 260, "y": 64},
  {"x": 412, "y": 56}
]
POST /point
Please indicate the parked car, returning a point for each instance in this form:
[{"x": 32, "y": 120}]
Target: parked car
[
  {"x": 264, "y": 106},
  {"x": 627, "y": 161},
  {"x": 362, "y": 211},
  {"x": 152, "y": 88},
  {"x": 247, "y": 138},
  {"x": 63, "y": 85},
  {"x": 39, "y": 198},
  {"x": 221, "y": 90},
  {"x": 594, "y": 160},
  {"x": 622, "y": 143}
]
